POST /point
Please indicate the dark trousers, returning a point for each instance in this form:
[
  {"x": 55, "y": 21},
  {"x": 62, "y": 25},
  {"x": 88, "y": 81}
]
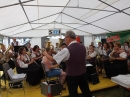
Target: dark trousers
[
  {"x": 63, "y": 66},
  {"x": 74, "y": 81}
]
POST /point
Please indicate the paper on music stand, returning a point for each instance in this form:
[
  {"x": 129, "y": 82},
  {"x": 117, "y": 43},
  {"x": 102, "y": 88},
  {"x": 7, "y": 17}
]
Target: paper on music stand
[
  {"x": 87, "y": 65},
  {"x": 15, "y": 76}
]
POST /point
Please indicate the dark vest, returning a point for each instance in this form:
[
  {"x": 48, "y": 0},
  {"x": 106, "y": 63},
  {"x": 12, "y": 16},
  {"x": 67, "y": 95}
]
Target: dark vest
[
  {"x": 116, "y": 55},
  {"x": 13, "y": 43},
  {"x": 76, "y": 62}
]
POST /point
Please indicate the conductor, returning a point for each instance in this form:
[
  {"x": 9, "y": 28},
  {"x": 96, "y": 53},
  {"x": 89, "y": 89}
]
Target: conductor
[{"x": 74, "y": 55}]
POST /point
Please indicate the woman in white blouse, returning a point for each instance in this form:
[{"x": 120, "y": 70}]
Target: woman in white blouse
[
  {"x": 119, "y": 57},
  {"x": 91, "y": 55},
  {"x": 27, "y": 65},
  {"x": 36, "y": 54}
]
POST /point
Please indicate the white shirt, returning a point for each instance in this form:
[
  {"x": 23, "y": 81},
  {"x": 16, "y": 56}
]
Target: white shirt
[
  {"x": 56, "y": 49},
  {"x": 63, "y": 55},
  {"x": 104, "y": 52},
  {"x": 30, "y": 50},
  {"x": 99, "y": 50},
  {"x": 15, "y": 43},
  {"x": 122, "y": 55},
  {"x": 126, "y": 48},
  {"x": 33, "y": 55},
  {"x": 93, "y": 54},
  {"x": 21, "y": 63}
]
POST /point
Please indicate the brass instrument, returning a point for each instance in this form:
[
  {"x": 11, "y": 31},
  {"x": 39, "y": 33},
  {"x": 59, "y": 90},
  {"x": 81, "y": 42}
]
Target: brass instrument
[
  {"x": 49, "y": 45},
  {"x": 6, "y": 57},
  {"x": 60, "y": 42},
  {"x": 28, "y": 53},
  {"x": 1, "y": 47},
  {"x": 98, "y": 58}
]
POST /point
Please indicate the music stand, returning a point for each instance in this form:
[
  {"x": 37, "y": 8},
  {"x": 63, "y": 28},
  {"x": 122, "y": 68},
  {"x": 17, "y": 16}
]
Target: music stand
[{"x": 16, "y": 48}]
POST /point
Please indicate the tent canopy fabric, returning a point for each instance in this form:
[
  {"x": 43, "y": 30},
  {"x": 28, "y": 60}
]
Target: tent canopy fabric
[{"x": 33, "y": 18}]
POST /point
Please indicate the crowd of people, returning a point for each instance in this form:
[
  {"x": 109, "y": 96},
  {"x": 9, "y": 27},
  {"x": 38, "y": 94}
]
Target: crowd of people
[
  {"x": 68, "y": 61},
  {"x": 112, "y": 57}
]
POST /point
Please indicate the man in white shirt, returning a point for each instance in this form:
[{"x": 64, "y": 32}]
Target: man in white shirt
[
  {"x": 74, "y": 55},
  {"x": 56, "y": 48},
  {"x": 99, "y": 48}
]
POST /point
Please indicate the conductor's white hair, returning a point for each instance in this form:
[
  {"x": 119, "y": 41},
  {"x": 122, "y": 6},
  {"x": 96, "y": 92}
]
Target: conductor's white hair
[{"x": 71, "y": 34}]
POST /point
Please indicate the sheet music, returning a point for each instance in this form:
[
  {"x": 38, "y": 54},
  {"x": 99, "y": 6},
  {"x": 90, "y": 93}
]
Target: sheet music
[{"x": 15, "y": 76}]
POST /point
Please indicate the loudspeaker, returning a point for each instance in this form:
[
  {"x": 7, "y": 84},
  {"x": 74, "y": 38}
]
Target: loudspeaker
[{"x": 94, "y": 78}]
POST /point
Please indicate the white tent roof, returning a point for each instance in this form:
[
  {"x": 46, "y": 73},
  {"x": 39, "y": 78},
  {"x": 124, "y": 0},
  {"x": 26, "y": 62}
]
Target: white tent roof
[{"x": 33, "y": 18}]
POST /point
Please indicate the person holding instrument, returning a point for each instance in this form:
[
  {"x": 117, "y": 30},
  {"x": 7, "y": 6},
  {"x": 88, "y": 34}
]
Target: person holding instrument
[
  {"x": 118, "y": 56},
  {"x": 7, "y": 55},
  {"x": 74, "y": 55},
  {"x": 36, "y": 54},
  {"x": 51, "y": 69},
  {"x": 105, "y": 59},
  {"x": 90, "y": 58},
  {"x": 27, "y": 65}
]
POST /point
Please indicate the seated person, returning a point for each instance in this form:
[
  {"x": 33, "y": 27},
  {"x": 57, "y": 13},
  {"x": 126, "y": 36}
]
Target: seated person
[
  {"x": 119, "y": 60},
  {"x": 91, "y": 57},
  {"x": 6, "y": 58},
  {"x": 27, "y": 65},
  {"x": 36, "y": 54},
  {"x": 105, "y": 60},
  {"x": 51, "y": 69}
]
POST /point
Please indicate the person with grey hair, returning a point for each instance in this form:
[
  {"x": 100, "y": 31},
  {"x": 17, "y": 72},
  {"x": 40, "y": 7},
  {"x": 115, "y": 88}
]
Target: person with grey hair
[{"x": 74, "y": 55}]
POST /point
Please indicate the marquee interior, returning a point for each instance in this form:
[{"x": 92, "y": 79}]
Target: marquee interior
[{"x": 33, "y": 18}]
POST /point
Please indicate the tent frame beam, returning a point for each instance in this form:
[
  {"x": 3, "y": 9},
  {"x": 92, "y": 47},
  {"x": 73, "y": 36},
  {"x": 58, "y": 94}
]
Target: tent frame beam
[
  {"x": 120, "y": 11},
  {"x": 60, "y": 23},
  {"x": 30, "y": 21},
  {"x": 62, "y": 10},
  {"x": 76, "y": 29},
  {"x": 25, "y": 13},
  {"x": 98, "y": 19},
  {"x": 70, "y": 7},
  {"x": 29, "y": 29},
  {"x": 15, "y": 4},
  {"x": 86, "y": 22}
]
